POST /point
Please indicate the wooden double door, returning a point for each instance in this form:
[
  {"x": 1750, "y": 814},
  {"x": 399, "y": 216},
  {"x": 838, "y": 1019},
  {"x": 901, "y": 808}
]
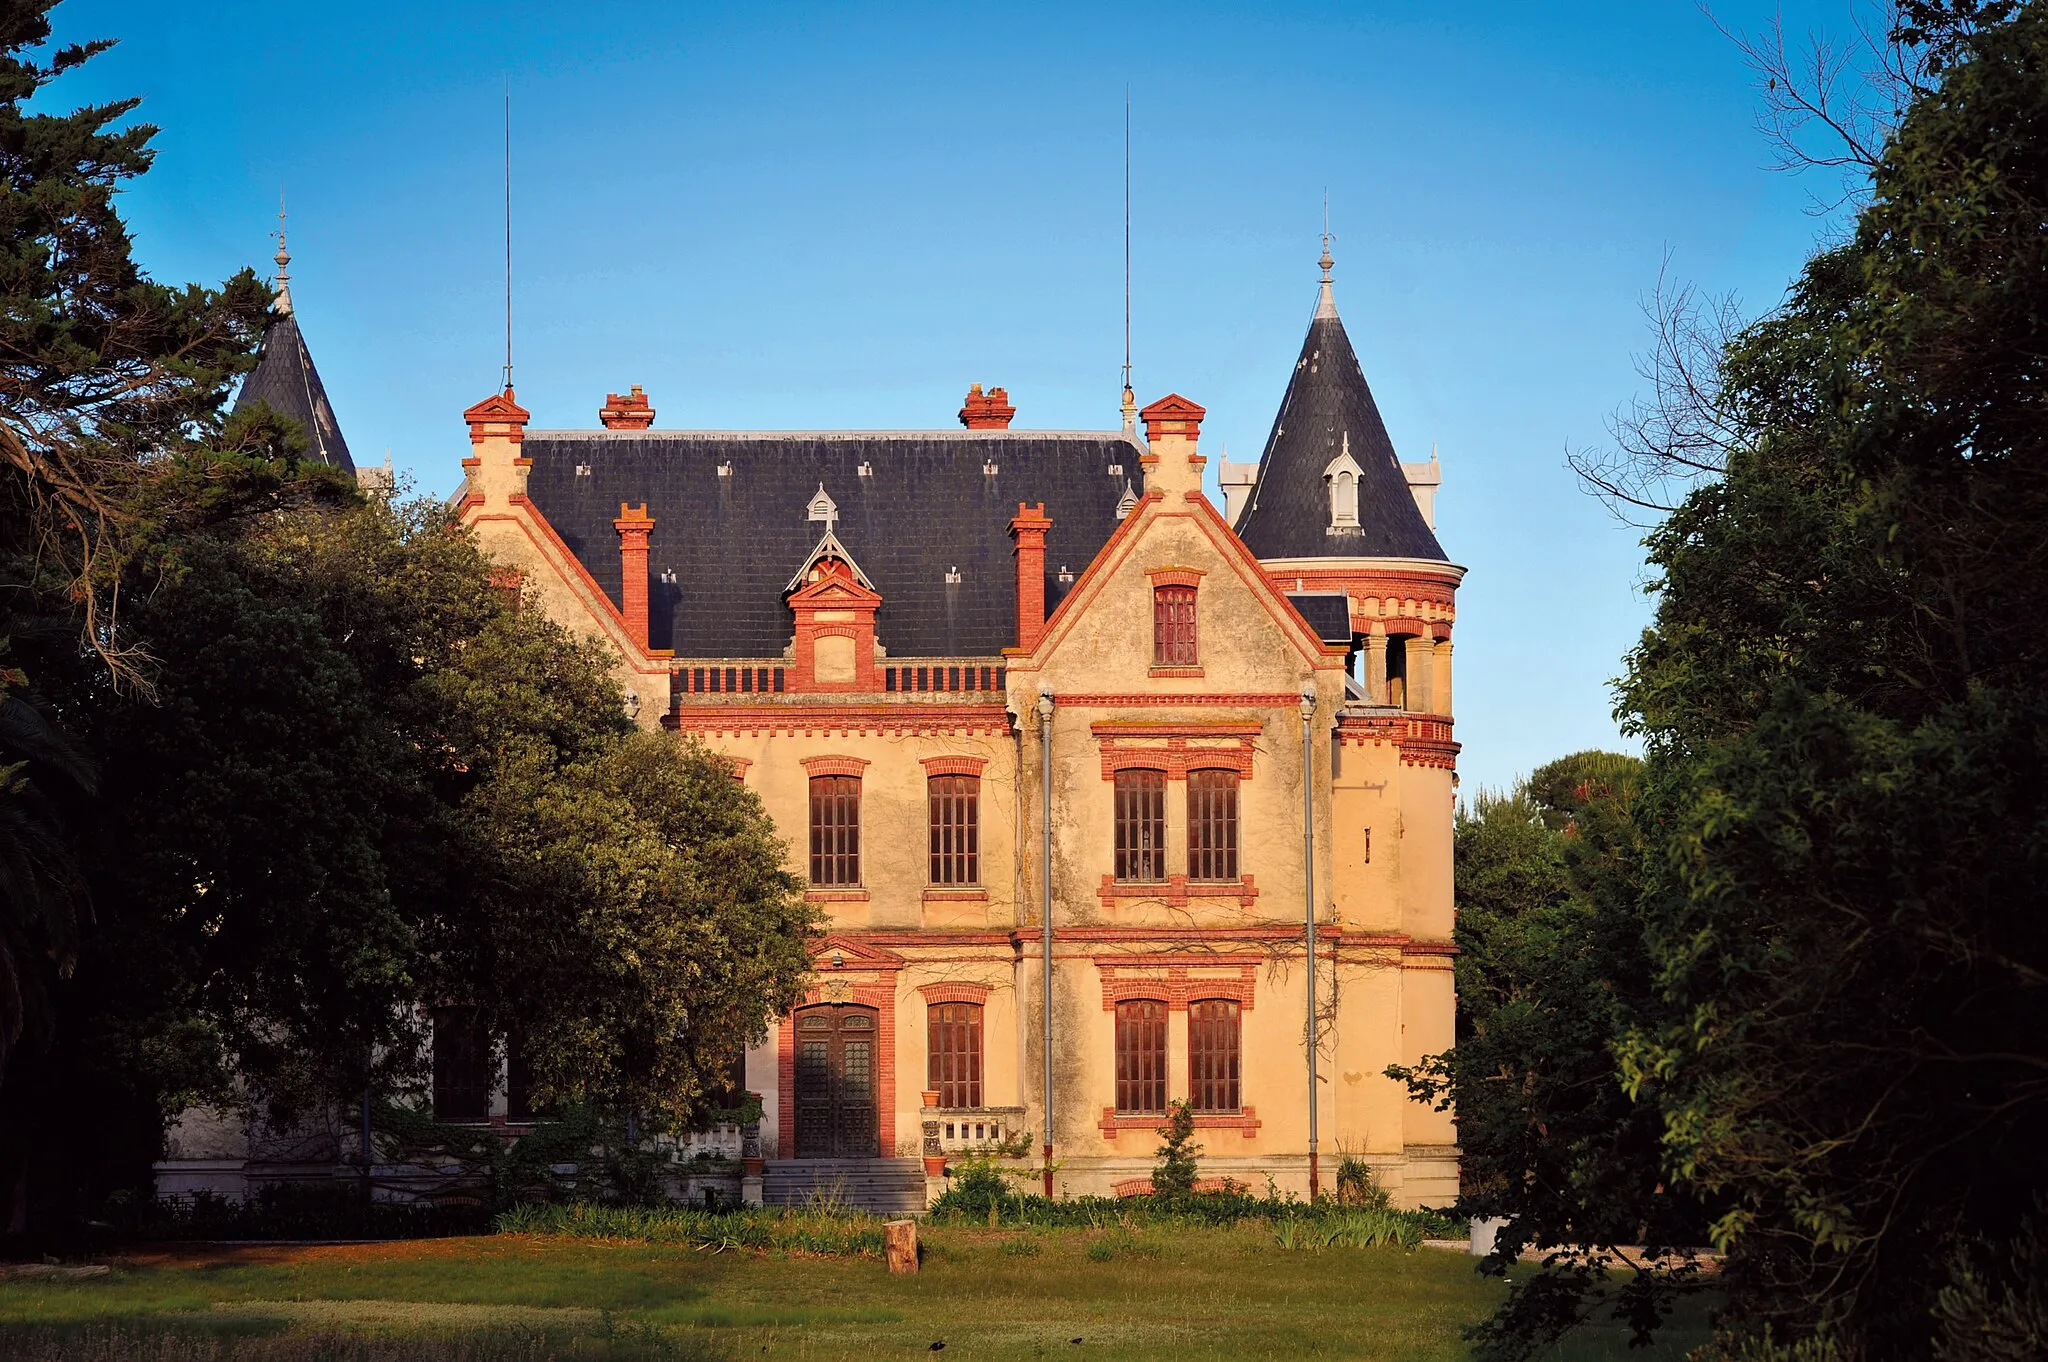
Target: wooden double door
[{"x": 838, "y": 1053}]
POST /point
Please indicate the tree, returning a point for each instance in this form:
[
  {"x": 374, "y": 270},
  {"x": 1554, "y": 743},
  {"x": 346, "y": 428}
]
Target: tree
[
  {"x": 1846, "y": 729},
  {"x": 1174, "y": 1174},
  {"x": 1552, "y": 971}
]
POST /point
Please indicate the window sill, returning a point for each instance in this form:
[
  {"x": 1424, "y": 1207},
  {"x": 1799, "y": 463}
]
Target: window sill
[
  {"x": 1244, "y": 1120},
  {"x": 1177, "y": 890},
  {"x": 835, "y": 896},
  {"x": 1195, "y": 672},
  {"x": 955, "y": 894}
]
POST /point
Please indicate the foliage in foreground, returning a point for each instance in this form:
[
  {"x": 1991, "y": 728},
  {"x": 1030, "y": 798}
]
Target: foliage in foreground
[{"x": 825, "y": 1232}]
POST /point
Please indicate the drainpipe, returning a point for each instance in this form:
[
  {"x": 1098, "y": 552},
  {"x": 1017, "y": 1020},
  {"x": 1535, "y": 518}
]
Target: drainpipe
[
  {"x": 1308, "y": 877},
  {"x": 1045, "y": 910}
]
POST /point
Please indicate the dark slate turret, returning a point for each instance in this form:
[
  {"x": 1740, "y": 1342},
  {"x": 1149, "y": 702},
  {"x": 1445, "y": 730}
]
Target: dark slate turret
[
  {"x": 1328, "y": 412},
  {"x": 285, "y": 378}
]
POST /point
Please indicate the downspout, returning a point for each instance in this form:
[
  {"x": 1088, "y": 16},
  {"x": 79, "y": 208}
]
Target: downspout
[
  {"x": 1045, "y": 705},
  {"x": 1308, "y": 878}
]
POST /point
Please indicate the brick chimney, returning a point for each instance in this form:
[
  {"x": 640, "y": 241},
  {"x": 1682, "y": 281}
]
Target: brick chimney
[
  {"x": 1172, "y": 461},
  {"x": 634, "y": 526},
  {"x": 631, "y": 412},
  {"x": 1028, "y": 527},
  {"x": 987, "y": 411}
]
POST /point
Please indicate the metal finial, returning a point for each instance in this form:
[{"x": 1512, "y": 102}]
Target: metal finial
[
  {"x": 283, "y": 259},
  {"x": 1326, "y": 261}
]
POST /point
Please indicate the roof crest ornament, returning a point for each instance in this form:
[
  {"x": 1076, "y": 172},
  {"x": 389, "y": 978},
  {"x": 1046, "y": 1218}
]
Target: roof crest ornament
[
  {"x": 822, "y": 507},
  {"x": 283, "y": 259},
  {"x": 1326, "y": 302}
]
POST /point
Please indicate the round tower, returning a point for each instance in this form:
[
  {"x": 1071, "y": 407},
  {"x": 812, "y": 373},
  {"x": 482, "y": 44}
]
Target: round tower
[{"x": 1332, "y": 511}]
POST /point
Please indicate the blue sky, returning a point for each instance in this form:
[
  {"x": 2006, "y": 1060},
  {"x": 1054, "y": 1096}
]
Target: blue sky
[{"x": 841, "y": 215}]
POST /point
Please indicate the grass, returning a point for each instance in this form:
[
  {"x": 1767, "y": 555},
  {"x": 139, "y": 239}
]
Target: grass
[{"x": 1126, "y": 1292}]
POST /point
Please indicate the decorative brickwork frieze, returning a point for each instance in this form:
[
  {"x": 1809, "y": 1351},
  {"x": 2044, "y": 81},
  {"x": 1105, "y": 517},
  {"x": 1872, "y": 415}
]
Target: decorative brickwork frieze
[
  {"x": 1176, "y": 891},
  {"x": 1124, "y": 978},
  {"x": 1423, "y": 739},
  {"x": 1245, "y": 1120},
  {"x": 935, "y": 994},
  {"x": 953, "y": 766}
]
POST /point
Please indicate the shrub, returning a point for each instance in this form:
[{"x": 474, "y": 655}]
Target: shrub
[{"x": 1174, "y": 1175}]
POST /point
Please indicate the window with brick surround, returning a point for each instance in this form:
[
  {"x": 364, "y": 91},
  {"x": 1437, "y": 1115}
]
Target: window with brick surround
[
  {"x": 1140, "y": 798},
  {"x": 835, "y": 831},
  {"x": 953, "y": 1050},
  {"x": 1212, "y": 825},
  {"x": 955, "y": 803},
  {"x": 1173, "y": 626},
  {"x": 1213, "y": 1055},
  {"x": 1141, "y": 1055}
]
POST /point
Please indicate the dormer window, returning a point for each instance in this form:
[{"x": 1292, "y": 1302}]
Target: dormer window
[{"x": 1341, "y": 476}]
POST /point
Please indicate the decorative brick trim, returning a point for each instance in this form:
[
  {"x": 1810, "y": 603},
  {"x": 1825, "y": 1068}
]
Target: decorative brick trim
[
  {"x": 836, "y": 896},
  {"x": 935, "y": 994},
  {"x": 632, "y": 411},
  {"x": 1130, "y": 1187},
  {"x": 497, "y": 417},
  {"x": 953, "y": 766},
  {"x": 1423, "y": 739},
  {"x": 1148, "y": 699},
  {"x": 900, "y": 720},
  {"x": 1186, "y": 673},
  {"x": 1176, "y": 576},
  {"x": 1121, "y": 747},
  {"x": 956, "y": 894},
  {"x": 1175, "y": 890},
  {"x": 739, "y": 767},
  {"x": 1172, "y": 415},
  {"x": 1028, "y": 529},
  {"x": 1244, "y": 1120},
  {"x": 835, "y": 766},
  {"x": 835, "y": 592},
  {"x": 1176, "y": 989},
  {"x": 635, "y": 526}
]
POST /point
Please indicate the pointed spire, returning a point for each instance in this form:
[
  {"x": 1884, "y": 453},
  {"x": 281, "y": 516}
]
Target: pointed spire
[
  {"x": 1326, "y": 303},
  {"x": 283, "y": 259}
]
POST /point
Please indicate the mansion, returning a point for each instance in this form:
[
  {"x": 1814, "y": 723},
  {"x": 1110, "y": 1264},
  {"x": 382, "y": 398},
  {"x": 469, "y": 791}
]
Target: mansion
[{"x": 1066, "y": 753}]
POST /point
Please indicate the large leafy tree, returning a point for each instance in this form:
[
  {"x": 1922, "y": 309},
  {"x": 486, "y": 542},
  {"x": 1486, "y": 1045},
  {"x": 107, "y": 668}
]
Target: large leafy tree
[{"x": 1847, "y": 729}]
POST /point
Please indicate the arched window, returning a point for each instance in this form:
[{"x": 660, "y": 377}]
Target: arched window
[
  {"x": 1140, "y": 803},
  {"x": 1141, "y": 1056},
  {"x": 1212, "y": 825},
  {"x": 1344, "y": 500},
  {"x": 835, "y": 830},
  {"x": 953, "y": 1053},
  {"x": 1213, "y": 1055}
]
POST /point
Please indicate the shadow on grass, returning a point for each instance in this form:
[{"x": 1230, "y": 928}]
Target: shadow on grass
[{"x": 249, "y": 1340}]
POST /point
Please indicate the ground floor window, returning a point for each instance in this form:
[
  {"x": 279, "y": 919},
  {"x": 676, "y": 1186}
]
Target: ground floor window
[
  {"x": 1141, "y": 1056},
  {"x": 1212, "y": 1055},
  {"x": 462, "y": 1066},
  {"x": 954, "y": 1053}
]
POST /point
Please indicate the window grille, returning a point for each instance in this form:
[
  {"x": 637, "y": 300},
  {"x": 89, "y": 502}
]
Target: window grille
[
  {"x": 1213, "y": 1055},
  {"x": 835, "y": 830},
  {"x": 953, "y": 1047},
  {"x": 955, "y": 829},
  {"x": 1212, "y": 825},
  {"x": 1173, "y": 626},
  {"x": 1140, "y": 799},
  {"x": 1141, "y": 1056}
]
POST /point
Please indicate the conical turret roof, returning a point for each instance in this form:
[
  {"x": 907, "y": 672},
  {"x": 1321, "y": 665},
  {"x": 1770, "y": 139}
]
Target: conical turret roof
[
  {"x": 285, "y": 378},
  {"x": 1329, "y": 411}
]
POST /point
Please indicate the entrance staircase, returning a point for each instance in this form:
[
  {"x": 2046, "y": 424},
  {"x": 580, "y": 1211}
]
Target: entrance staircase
[{"x": 883, "y": 1186}]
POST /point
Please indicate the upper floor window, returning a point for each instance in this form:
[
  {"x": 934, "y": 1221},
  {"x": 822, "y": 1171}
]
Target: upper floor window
[
  {"x": 1140, "y": 802},
  {"x": 1141, "y": 1055},
  {"x": 462, "y": 1066},
  {"x": 835, "y": 830},
  {"x": 1212, "y": 825},
  {"x": 1173, "y": 627},
  {"x": 955, "y": 803},
  {"x": 1213, "y": 1055},
  {"x": 953, "y": 1050}
]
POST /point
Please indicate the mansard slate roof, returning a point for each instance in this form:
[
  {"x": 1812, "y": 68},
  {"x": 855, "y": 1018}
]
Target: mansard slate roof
[
  {"x": 1327, "y": 399},
  {"x": 284, "y": 377},
  {"x": 926, "y": 509}
]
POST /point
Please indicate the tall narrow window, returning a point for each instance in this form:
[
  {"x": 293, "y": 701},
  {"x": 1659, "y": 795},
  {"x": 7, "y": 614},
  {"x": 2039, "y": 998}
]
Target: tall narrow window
[
  {"x": 1212, "y": 1055},
  {"x": 955, "y": 829},
  {"x": 835, "y": 830},
  {"x": 953, "y": 1050},
  {"x": 462, "y": 1059},
  {"x": 1212, "y": 825},
  {"x": 1140, "y": 797},
  {"x": 1141, "y": 1056},
  {"x": 1173, "y": 626}
]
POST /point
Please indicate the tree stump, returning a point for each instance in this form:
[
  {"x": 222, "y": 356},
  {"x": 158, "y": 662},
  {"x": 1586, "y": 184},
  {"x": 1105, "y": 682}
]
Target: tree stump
[{"x": 899, "y": 1245}]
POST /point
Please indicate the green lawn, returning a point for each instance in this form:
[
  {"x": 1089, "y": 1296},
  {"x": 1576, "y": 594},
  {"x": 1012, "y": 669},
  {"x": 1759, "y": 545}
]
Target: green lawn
[{"x": 1179, "y": 1293}]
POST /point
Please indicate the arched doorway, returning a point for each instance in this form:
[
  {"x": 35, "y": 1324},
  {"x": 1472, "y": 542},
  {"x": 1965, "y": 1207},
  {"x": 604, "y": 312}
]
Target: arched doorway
[{"x": 837, "y": 1057}]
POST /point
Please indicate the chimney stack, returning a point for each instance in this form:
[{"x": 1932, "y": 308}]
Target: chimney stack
[
  {"x": 1028, "y": 527},
  {"x": 630, "y": 412},
  {"x": 634, "y": 526},
  {"x": 1172, "y": 461},
  {"x": 987, "y": 411}
]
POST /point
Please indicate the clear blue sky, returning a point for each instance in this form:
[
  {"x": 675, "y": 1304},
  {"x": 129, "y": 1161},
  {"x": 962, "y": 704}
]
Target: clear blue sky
[{"x": 841, "y": 215}]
